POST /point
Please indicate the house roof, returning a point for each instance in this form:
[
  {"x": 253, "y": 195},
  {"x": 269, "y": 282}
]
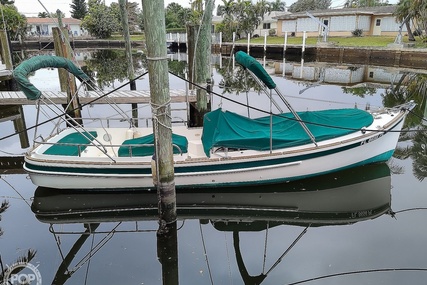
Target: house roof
[
  {"x": 380, "y": 10},
  {"x": 52, "y": 21}
]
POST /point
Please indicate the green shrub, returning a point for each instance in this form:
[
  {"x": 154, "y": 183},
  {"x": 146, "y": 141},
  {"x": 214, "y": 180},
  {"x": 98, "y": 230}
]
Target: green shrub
[{"x": 357, "y": 32}]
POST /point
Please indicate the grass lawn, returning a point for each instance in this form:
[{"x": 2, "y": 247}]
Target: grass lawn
[{"x": 365, "y": 41}]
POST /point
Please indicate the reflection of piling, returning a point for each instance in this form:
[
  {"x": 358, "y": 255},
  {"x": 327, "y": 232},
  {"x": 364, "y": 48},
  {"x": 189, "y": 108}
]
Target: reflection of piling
[
  {"x": 304, "y": 36},
  {"x": 167, "y": 253}
]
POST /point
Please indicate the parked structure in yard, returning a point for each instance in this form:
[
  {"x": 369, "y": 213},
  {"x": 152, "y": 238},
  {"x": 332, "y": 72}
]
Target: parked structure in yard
[
  {"x": 43, "y": 26},
  {"x": 374, "y": 21}
]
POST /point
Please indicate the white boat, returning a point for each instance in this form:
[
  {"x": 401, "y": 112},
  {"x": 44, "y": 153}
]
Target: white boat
[{"x": 230, "y": 150}]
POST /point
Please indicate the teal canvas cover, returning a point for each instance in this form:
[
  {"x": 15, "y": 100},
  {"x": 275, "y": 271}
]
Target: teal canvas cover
[
  {"x": 227, "y": 129},
  {"x": 41, "y": 61},
  {"x": 74, "y": 141},
  {"x": 253, "y": 65},
  {"x": 126, "y": 149}
]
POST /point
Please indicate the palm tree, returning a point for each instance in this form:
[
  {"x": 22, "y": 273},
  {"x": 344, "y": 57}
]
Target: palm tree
[
  {"x": 277, "y": 5},
  {"x": 419, "y": 10},
  {"x": 404, "y": 14}
]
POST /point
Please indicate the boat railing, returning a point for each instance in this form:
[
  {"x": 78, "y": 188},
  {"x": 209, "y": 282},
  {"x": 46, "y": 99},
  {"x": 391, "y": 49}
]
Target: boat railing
[
  {"x": 146, "y": 120},
  {"x": 82, "y": 147},
  {"x": 130, "y": 146}
]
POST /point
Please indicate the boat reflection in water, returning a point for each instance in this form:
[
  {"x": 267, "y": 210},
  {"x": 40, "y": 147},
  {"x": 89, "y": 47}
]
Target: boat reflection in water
[{"x": 344, "y": 197}]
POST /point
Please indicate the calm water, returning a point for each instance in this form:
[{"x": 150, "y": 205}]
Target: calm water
[{"x": 368, "y": 224}]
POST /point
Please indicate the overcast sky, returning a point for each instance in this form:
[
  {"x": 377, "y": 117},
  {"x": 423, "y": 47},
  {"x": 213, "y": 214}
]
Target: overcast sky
[{"x": 33, "y": 7}]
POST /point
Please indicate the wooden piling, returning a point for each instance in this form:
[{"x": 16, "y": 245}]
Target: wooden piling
[
  {"x": 6, "y": 55},
  {"x": 67, "y": 81},
  {"x": 155, "y": 32},
  {"x": 128, "y": 50}
]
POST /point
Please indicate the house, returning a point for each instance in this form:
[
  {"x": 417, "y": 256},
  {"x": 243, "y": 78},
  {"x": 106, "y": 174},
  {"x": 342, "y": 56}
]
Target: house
[
  {"x": 43, "y": 26},
  {"x": 269, "y": 22},
  {"x": 374, "y": 21}
]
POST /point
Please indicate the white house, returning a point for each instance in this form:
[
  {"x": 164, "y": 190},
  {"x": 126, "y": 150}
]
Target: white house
[
  {"x": 268, "y": 23},
  {"x": 43, "y": 26},
  {"x": 375, "y": 21}
]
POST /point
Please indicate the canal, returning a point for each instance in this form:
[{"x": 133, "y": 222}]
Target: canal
[{"x": 365, "y": 225}]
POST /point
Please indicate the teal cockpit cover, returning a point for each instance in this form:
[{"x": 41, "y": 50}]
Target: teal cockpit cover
[
  {"x": 42, "y": 61},
  {"x": 227, "y": 129},
  {"x": 253, "y": 65},
  {"x": 144, "y": 146}
]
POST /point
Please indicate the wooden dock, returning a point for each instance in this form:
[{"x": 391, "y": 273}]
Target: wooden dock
[{"x": 118, "y": 97}]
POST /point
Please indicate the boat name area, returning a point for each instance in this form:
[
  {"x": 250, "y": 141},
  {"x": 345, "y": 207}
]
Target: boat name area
[
  {"x": 361, "y": 214},
  {"x": 371, "y": 139}
]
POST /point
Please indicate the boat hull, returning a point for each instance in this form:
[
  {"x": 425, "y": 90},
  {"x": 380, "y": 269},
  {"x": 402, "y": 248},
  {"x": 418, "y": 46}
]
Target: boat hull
[{"x": 248, "y": 170}]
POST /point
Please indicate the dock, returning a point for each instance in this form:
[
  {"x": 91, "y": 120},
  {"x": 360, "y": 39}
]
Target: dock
[{"x": 118, "y": 97}]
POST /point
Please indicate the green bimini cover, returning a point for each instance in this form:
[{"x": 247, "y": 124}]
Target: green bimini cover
[
  {"x": 253, "y": 65},
  {"x": 41, "y": 61},
  {"x": 75, "y": 140},
  {"x": 227, "y": 129},
  {"x": 125, "y": 148}
]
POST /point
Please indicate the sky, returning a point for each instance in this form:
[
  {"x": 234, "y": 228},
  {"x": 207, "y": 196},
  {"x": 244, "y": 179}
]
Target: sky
[{"x": 33, "y": 7}]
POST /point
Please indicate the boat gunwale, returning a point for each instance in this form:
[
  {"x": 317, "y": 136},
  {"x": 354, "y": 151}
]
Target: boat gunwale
[{"x": 146, "y": 160}]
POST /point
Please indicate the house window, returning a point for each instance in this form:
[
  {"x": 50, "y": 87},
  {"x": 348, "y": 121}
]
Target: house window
[
  {"x": 371, "y": 74},
  {"x": 378, "y": 22},
  {"x": 266, "y": 26}
]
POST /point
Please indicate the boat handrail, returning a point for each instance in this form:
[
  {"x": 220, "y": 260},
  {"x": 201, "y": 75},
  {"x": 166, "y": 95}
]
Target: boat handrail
[
  {"x": 80, "y": 145},
  {"x": 177, "y": 120},
  {"x": 147, "y": 145}
]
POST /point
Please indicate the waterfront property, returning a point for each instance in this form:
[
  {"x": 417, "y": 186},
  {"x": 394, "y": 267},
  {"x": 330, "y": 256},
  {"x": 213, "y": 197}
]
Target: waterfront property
[
  {"x": 43, "y": 26},
  {"x": 374, "y": 21}
]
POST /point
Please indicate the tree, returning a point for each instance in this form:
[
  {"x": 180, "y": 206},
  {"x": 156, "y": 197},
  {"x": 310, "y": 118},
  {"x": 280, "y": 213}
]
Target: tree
[
  {"x": 242, "y": 17},
  {"x": 58, "y": 12},
  {"x": 419, "y": 10},
  {"x": 404, "y": 14},
  {"x": 278, "y": 5},
  {"x": 78, "y": 9},
  {"x": 133, "y": 13},
  {"x": 365, "y": 3},
  {"x": 226, "y": 9},
  {"x": 6, "y": 2},
  {"x": 177, "y": 16},
  {"x": 15, "y": 22},
  {"x": 43, "y": 15},
  {"x": 307, "y": 5},
  {"x": 100, "y": 21}
]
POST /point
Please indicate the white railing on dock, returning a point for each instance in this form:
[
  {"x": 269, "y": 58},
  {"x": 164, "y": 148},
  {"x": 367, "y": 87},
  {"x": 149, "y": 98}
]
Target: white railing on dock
[{"x": 182, "y": 38}]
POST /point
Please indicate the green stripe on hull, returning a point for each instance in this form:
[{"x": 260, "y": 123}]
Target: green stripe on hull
[{"x": 376, "y": 159}]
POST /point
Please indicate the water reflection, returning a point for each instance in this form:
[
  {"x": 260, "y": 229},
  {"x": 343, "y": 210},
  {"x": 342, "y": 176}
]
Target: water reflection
[{"x": 341, "y": 198}]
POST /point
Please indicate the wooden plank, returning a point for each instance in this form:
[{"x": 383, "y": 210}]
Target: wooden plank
[{"x": 119, "y": 97}]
